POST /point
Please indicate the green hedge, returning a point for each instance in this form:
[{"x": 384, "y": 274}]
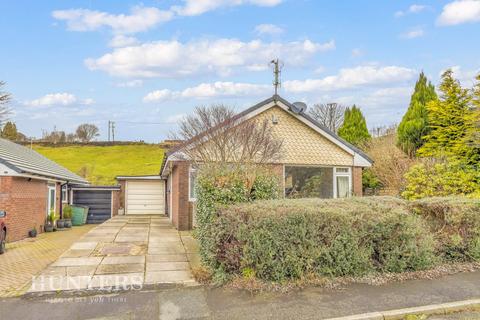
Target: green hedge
[
  {"x": 278, "y": 240},
  {"x": 290, "y": 239},
  {"x": 219, "y": 186},
  {"x": 455, "y": 223}
]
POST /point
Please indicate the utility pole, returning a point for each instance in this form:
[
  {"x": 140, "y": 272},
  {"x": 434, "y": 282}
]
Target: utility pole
[
  {"x": 109, "y": 122},
  {"x": 113, "y": 131},
  {"x": 277, "y": 70}
]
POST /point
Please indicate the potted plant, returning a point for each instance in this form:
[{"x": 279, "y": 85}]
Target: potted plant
[
  {"x": 67, "y": 216},
  {"x": 33, "y": 232},
  {"x": 50, "y": 221},
  {"x": 60, "y": 224}
]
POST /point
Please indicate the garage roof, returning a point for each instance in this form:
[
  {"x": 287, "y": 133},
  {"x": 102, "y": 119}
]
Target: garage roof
[{"x": 27, "y": 161}]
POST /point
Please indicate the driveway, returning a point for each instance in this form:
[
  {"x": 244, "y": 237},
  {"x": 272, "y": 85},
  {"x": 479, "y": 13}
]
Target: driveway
[
  {"x": 27, "y": 258},
  {"x": 125, "y": 252}
]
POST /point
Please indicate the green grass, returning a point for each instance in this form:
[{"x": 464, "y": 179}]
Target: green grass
[{"x": 100, "y": 165}]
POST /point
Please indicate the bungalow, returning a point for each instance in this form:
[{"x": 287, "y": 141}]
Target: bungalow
[
  {"x": 30, "y": 186},
  {"x": 309, "y": 150}
]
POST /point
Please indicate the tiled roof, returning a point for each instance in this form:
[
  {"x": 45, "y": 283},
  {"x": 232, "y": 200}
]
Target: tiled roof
[{"x": 27, "y": 161}]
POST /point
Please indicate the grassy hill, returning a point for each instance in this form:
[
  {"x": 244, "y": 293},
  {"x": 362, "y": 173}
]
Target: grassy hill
[{"x": 101, "y": 164}]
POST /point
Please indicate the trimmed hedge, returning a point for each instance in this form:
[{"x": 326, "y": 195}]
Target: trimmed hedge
[
  {"x": 278, "y": 240},
  {"x": 290, "y": 239}
]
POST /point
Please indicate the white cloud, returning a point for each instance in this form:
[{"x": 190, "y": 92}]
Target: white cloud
[
  {"x": 357, "y": 52},
  {"x": 413, "y": 9},
  {"x": 140, "y": 19},
  {"x": 122, "y": 41},
  {"x": 222, "y": 56},
  {"x": 88, "y": 101},
  {"x": 466, "y": 77},
  {"x": 51, "y": 99},
  {"x": 130, "y": 84},
  {"x": 209, "y": 90},
  {"x": 414, "y": 33},
  {"x": 460, "y": 11},
  {"x": 351, "y": 78},
  {"x": 269, "y": 29},
  {"x": 197, "y": 7}
]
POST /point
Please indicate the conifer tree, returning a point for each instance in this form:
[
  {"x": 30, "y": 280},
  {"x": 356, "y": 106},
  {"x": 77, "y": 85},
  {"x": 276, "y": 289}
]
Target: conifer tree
[
  {"x": 414, "y": 125},
  {"x": 450, "y": 121},
  {"x": 354, "y": 127},
  {"x": 9, "y": 131}
]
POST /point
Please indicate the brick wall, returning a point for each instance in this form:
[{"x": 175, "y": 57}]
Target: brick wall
[
  {"x": 121, "y": 196},
  {"x": 115, "y": 202},
  {"x": 26, "y": 205},
  {"x": 181, "y": 206},
  {"x": 357, "y": 181}
]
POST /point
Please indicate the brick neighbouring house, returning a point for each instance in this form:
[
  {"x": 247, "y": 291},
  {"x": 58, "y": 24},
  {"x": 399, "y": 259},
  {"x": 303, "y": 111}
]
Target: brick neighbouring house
[
  {"x": 30, "y": 185},
  {"x": 309, "y": 149}
]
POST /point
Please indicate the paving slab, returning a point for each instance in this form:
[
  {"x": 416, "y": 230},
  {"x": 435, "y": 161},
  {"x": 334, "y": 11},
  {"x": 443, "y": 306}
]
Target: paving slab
[
  {"x": 59, "y": 283},
  {"x": 123, "y": 260},
  {"x": 167, "y": 266},
  {"x": 166, "y": 258},
  {"x": 177, "y": 276},
  {"x": 69, "y": 262},
  {"x": 121, "y": 281},
  {"x": 120, "y": 268},
  {"x": 165, "y": 250},
  {"x": 81, "y": 270},
  {"x": 77, "y": 253},
  {"x": 84, "y": 245}
]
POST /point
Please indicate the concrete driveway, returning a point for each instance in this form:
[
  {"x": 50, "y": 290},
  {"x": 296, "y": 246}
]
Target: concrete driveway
[{"x": 125, "y": 252}]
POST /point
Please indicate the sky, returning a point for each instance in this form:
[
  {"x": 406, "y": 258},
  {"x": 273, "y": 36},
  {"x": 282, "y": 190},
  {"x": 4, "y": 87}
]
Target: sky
[{"x": 147, "y": 64}]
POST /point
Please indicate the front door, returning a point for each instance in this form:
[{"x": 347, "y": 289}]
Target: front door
[{"x": 51, "y": 199}]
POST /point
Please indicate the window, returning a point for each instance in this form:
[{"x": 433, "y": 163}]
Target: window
[
  {"x": 342, "y": 182},
  {"x": 192, "y": 178},
  {"x": 64, "y": 194},
  {"x": 309, "y": 182},
  {"x": 51, "y": 199}
]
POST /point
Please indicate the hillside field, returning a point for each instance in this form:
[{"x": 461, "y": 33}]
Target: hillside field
[{"x": 101, "y": 164}]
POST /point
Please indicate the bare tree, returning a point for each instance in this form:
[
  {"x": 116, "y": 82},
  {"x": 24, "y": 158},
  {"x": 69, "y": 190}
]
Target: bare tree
[
  {"x": 5, "y": 98},
  {"x": 330, "y": 115},
  {"x": 216, "y": 134},
  {"x": 86, "y": 132}
]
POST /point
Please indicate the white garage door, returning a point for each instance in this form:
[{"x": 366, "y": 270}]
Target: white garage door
[{"x": 145, "y": 197}]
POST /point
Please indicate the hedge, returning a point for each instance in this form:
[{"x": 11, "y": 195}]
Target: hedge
[{"x": 279, "y": 240}]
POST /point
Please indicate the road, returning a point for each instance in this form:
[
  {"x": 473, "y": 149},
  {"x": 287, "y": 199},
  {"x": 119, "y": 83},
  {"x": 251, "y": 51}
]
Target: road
[{"x": 217, "y": 303}]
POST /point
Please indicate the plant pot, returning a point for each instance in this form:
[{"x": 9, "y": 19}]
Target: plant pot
[
  {"x": 48, "y": 228},
  {"x": 32, "y": 233},
  {"x": 67, "y": 223},
  {"x": 60, "y": 224}
]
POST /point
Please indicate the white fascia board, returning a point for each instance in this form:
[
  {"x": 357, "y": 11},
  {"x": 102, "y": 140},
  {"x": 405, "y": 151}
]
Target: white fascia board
[
  {"x": 360, "y": 161},
  {"x": 139, "y": 177}
]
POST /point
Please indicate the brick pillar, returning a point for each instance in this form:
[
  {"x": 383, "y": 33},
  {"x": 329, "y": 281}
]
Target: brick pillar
[
  {"x": 181, "y": 207},
  {"x": 357, "y": 181}
]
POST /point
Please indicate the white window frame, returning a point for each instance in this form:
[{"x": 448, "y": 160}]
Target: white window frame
[
  {"x": 342, "y": 174},
  {"x": 64, "y": 191},
  {"x": 50, "y": 188},
  {"x": 191, "y": 170}
]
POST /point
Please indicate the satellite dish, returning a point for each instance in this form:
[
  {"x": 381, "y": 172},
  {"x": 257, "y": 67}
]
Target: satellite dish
[{"x": 299, "y": 107}]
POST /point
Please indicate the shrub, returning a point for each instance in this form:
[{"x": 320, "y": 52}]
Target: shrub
[
  {"x": 390, "y": 164},
  {"x": 455, "y": 222},
  {"x": 291, "y": 239},
  {"x": 439, "y": 179},
  {"x": 219, "y": 185}
]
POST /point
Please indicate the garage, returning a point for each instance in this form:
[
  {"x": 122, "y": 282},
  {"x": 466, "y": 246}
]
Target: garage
[
  {"x": 98, "y": 199},
  {"x": 144, "y": 195}
]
